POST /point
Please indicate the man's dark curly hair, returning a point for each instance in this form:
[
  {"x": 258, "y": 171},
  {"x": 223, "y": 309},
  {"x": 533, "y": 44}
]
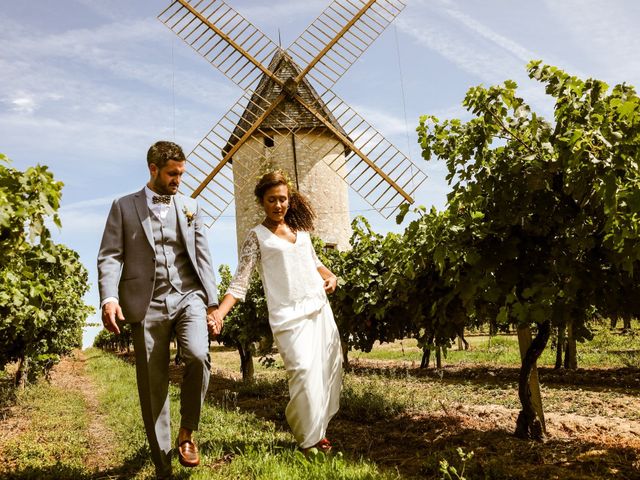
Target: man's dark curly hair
[{"x": 161, "y": 152}]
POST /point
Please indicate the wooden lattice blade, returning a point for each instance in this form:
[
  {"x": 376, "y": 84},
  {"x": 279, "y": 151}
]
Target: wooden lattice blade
[
  {"x": 337, "y": 38},
  {"x": 223, "y": 37},
  {"x": 210, "y": 174},
  {"x": 381, "y": 174}
]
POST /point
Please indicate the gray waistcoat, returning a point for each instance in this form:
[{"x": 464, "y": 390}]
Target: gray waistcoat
[{"x": 174, "y": 271}]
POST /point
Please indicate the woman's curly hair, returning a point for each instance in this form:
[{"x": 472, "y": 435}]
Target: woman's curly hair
[{"x": 300, "y": 215}]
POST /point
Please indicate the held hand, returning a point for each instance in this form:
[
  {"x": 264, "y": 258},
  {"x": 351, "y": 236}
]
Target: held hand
[
  {"x": 330, "y": 284},
  {"x": 215, "y": 321},
  {"x": 111, "y": 311}
]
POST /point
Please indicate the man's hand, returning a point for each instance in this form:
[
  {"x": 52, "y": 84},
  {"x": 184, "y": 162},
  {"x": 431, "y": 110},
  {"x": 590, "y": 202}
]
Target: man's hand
[
  {"x": 111, "y": 311},
  {"x": 215, "y": 321}
]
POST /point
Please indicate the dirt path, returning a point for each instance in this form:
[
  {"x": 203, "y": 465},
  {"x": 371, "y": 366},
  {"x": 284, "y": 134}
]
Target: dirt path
[{"x": 70, "y": 373}]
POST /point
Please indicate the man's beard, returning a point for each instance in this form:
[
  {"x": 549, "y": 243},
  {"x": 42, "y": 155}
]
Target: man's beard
[{"x": 162, "y": 189}]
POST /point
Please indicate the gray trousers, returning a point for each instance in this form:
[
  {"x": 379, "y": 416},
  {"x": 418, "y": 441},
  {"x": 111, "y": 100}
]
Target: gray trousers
[{"x": 186, "y": 315}]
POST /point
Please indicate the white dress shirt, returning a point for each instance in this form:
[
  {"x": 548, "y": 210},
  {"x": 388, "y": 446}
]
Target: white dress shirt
[{"x": 160, "y": 210}]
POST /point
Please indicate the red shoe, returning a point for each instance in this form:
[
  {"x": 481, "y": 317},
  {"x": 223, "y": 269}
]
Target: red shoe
[{"x": 324, "y": 445}]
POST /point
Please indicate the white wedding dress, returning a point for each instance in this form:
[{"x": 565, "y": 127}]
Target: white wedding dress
[{"x": 302, "y": 323}]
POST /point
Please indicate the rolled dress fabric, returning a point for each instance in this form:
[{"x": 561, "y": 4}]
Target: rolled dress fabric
[{"x": 302, "y": 323}]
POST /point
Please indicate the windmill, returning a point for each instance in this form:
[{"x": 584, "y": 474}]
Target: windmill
[{"x": 288, "y": 117}]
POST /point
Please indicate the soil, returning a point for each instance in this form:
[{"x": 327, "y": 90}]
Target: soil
[{"x": 413, "y": 444}]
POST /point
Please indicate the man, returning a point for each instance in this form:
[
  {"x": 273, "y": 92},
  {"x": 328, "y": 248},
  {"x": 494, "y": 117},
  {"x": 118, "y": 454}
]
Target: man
[{"x": 155, "y": 272}]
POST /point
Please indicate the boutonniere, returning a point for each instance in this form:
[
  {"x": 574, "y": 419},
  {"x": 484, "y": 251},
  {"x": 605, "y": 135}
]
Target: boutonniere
[{"x": 189, "y": 215}]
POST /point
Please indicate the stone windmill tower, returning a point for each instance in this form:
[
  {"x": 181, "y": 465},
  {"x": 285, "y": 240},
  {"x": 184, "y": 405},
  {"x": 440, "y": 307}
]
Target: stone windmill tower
[
  {"x": 289, "y": 118},
  {"x": 307, "y": 167}
]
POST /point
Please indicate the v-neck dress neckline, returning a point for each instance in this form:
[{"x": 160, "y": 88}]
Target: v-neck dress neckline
[{"x": 279, "y": 237}]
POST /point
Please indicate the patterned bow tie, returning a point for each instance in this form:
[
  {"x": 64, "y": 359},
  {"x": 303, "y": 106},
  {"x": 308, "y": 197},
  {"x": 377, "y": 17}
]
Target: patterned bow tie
[{"x": 166, "y": 199}]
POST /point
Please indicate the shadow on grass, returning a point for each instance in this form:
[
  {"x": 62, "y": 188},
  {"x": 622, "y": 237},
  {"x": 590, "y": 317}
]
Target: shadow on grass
[
  {"x": 369, "y": 425},
  {"x": 267, "y": 399},
  {"x": 8, "y": 392},
  {"x": 129, "y": 468}
]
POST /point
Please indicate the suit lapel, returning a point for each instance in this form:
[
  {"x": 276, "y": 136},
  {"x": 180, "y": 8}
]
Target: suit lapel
[{"x": 143, "y": 214}]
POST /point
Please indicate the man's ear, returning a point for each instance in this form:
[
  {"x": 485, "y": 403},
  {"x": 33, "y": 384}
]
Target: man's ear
[{"x": 153, "y": 169}]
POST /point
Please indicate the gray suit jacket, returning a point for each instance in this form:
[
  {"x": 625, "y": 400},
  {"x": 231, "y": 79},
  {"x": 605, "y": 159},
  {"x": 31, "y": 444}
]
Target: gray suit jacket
[{"x": 126, "y": 260}]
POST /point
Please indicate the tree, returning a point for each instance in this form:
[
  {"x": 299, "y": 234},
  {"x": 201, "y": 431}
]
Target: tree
[
  {"x": 365, "y": 304},
  {"x": 41, "y": 306},
  {"x": 122, "y": 342},
  {"x": 246, "y": 324},
  {"x": 542, "y": 218}
]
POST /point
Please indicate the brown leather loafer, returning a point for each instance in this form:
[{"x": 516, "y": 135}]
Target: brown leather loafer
[{"x": 188, "y": 453}]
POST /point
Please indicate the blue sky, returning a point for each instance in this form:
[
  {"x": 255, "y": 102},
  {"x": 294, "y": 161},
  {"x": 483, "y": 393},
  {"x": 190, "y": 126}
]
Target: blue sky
[{"x": 87, "y": 85}]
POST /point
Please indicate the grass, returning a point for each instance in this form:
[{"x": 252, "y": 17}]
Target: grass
[
  {"x": 607, "y": 349},
  {"x": 233, "y": 444},
  {"x": 244, "y": 434},
  {"x": 53, "y": 443}
]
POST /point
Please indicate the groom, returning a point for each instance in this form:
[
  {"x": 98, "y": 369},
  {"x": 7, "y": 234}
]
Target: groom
[{"x": 155, "y": 272}]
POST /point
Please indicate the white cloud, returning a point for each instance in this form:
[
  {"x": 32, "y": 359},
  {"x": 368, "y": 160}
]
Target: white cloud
[
  {"x": 386, "y": 123},
  {"x": 454, "y": 47},
  {"x": 134, "y": 50},
  {"x": 82, "y": 222},
  {"x": 23, "y": 104},
  {"x": 108, "y": 108},
  {"x": 473, "y": 25},
  {"x": 104, "y": 8},
  {"x": 93, "y": 202},
  {"x": 474, "y": 47}
]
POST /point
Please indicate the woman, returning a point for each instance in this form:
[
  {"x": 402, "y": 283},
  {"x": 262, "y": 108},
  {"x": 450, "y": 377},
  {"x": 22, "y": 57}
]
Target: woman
[{"x": 296, "y": 285}]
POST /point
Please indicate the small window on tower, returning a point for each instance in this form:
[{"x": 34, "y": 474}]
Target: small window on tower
[
  {"x": 330, "y": 246},
  {"x": 268, "y": 141}
]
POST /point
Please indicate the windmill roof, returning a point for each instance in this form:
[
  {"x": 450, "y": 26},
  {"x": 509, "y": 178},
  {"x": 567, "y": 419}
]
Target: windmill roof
[{"x": 289, "y": 113}]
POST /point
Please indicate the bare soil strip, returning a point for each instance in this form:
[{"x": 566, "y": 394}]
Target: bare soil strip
[{"x": 70, "y": 374}]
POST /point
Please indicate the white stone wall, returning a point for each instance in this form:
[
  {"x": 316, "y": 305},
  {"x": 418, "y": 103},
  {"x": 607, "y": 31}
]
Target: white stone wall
[{"x": 326, "y": 190}]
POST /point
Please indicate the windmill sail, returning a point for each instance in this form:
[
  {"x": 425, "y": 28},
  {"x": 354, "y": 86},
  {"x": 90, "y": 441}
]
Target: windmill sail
[
  {"x": 282, "y": 100},
  {"x": 337, "y": 38},
  {"x": 223, "y": 37},
  {"x": 380, "y": 173}
]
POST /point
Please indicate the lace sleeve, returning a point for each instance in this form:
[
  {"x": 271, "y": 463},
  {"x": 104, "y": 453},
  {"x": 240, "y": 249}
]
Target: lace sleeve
[{"x": 249, "y": 258}]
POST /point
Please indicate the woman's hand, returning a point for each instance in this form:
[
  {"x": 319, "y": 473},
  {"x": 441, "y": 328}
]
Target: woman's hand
[
  {"x": 330, "y": 284},
  {"x": 215, "y": 321}
]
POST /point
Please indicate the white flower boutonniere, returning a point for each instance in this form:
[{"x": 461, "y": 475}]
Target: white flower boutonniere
[{"x": 189, "y": 215}]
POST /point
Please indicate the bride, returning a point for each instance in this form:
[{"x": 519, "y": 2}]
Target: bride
[{"x": 296, "y": 285}]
